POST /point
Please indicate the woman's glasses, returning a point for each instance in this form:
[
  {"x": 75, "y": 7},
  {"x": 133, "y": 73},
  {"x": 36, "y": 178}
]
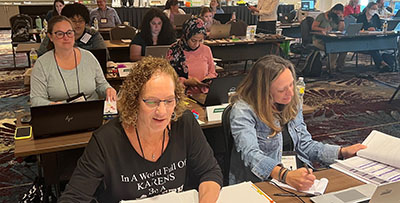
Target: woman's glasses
[
  {"x": 153, "y": 103},
  {"x": 61, "y": 34}
]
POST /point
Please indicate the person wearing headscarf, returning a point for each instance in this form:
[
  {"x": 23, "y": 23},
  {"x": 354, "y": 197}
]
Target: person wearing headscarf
[{"x": 191, "y": 59}]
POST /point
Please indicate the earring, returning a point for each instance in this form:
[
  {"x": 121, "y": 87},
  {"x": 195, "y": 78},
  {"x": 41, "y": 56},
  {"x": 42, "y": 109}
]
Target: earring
[{"x": 173, "y": 116}]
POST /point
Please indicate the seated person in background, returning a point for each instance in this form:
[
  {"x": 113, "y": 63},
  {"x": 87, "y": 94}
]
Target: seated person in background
[
  {"x": 353, "y": 8},
  {"x": 58, "y": 5},
  {"x": 207, "y": 16},
  {"x": 172, "y": 9},
  {"x": 266, "y": 119},
  {"x": 382, "y": 11},
  {"x": 153, "y": 135},
  {"x": 371, "y": 22},
  {"x": 66, "y": 71},
  {"x": 331, "y": 20},
  {"x": 106, "y": 16},
  {"x": 191, "y": 59},
  {"x": 85, "y": 37},
  {"x": 215, "y": 6},
  {"x": 155, "y": 30}
]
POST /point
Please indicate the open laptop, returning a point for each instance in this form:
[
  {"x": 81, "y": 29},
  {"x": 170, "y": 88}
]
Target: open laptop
[
  {"x": 392, "y": 24},
  {"x": 179, "y": 19},
  {"x": 66, "y": 118},
  {"x": 219, "y": 31},
  {"x": 101, "y": 56},
  {"x": 218, "y": 91},
  {"x": 385, "y": 193},
  {"x": 352, "y": 29},
  {"x": 223, "y": 17},
  {"x": 157, "y": 51}
]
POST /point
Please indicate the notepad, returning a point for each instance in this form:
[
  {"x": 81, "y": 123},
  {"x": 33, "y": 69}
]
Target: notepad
[{"x": 318, "y": 188}]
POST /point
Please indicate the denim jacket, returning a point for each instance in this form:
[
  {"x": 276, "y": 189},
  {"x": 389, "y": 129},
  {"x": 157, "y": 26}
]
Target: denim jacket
[{"x": 255, "y": 153}]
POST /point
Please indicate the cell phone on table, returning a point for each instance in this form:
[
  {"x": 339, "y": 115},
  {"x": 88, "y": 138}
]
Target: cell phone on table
[{"x": 23, "y": 132}]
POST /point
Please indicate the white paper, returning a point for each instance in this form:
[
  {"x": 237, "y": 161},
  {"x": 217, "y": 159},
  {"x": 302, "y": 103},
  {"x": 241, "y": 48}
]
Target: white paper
[
  {"x": 318, "y": 188},
  {"x": 214, "y": 113},
  {"x": 110, "y": 108},
  {"x": 123, "y": 72}
]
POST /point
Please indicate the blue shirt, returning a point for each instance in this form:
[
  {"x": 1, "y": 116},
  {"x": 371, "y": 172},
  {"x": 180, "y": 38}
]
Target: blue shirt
[
  {"x": 255, "y": 152},
  {"x": 110, "y": 14}
]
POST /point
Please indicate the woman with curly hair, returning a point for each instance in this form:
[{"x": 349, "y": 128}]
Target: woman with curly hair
[
  {"x": 149, "y": 149},
  {"x": 192, "y": 60},
  {"x": 156, "y": 29}
]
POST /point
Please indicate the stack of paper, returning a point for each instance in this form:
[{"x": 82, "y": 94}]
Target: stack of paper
[{"x": 318, "y": 188}]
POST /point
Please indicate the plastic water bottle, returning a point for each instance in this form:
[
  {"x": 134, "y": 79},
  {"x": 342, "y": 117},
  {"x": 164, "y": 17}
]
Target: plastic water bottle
[
  {"x": 301, "y": 88},
  {"x": 45, "y": 25},
  {"x": 96, "y": 24},
  {"x": 385, "y": 26},
  {"x": 33, "y": 56},
  {"x": 38, "y": 22}
]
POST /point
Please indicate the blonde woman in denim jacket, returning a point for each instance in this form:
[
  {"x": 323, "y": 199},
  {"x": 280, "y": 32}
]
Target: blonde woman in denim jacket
[{"x": 263, "y": 126}]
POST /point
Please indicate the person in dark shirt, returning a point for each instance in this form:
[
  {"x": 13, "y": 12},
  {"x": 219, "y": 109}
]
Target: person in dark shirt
[
  {"x": 150, "y": 149},
  {"x": 371, "y": 22},
  {"x": 85, "y": 37},
  {"x": 156, "y": 29},
  {"x": 58, "y": 5}
]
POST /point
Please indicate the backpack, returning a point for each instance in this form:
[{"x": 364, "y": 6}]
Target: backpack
[
  {"x": 313, "y": 65},
  {"x": 20, "y": 28}
]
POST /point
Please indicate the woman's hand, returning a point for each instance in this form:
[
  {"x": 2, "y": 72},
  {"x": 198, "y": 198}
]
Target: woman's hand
[
  {"x": 111, "y": 94},
  {"x": 52, "y": 103},
  {"x": 300, "y": 179},
  {"x": 350, "y": 151}
]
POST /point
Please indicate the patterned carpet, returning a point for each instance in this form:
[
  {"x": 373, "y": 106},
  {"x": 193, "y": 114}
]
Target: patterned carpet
[{"x": 348, "y": 106}]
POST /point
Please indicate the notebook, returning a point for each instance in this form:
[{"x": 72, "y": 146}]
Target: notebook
[
  {"x": 219, "y": 31},
  {"x": 179, "y": 19},
  {"x": 218, "y": 91},
  {"x": 66, "y": 118},
  {"x": 383, "y": 193},
  {"x": 157, "y": 51}
]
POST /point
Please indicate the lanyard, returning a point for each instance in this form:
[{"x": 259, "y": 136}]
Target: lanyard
[{"x": 76, "y": 70}]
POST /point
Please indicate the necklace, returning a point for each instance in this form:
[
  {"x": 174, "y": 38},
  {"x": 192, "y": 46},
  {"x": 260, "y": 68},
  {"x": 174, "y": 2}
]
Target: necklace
[{"x": 153, "y": 156}]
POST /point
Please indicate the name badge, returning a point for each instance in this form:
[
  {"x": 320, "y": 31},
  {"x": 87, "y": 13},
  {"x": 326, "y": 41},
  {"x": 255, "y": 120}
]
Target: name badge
[
  {"x": 85, "y": 38},
  {"x": 103, "y": 20},
  {"x": 289, "y": 160}
]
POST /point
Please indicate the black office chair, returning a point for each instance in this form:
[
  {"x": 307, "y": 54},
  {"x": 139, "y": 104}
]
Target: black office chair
[
  {"x": 226, "y": 125},
  {"x": 304, "y": 48},
  {"x": 122, "y": 32}
]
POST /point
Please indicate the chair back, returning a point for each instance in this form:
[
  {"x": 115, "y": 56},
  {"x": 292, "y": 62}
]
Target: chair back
[
  {"x": 122, "y": 32},
  {"x": 226, "y": 125},
  {"x": 20, "y": 25},
  {"x": 238, "y": 27},
  {"x": 305, "y": 27}
]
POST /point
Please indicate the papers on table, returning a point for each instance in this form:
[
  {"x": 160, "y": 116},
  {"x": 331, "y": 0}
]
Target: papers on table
[
  {"x": 239, "y": 193},
  {"x": 214, "y": 113},
  {"x": 318, "y": 188},
  {"x": 378, "y": 164}
]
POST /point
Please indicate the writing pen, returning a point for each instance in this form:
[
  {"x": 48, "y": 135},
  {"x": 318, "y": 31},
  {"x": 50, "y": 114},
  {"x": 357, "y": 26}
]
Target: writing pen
[
  {"x": 292, "y": 195},
  {"x": 308, "y": 169}
]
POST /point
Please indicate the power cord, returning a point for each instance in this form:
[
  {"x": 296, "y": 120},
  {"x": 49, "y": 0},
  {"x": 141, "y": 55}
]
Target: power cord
[{"x": 292, "y": 193}]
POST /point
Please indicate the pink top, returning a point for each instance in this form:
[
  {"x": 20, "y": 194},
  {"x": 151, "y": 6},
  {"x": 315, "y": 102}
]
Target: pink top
[
  {"x": 348, "y": 10},
  {"x": 200, "y": 65}
]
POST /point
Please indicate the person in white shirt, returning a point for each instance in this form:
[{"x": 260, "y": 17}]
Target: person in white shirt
[
  {"x": 267, "y": 12},
  {"x": 382, "y": 11},
  {"x": 172, "y": 9}
]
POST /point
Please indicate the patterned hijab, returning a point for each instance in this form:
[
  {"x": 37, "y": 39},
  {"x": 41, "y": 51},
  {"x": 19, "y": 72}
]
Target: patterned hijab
[{"x": 176, "y": 56}]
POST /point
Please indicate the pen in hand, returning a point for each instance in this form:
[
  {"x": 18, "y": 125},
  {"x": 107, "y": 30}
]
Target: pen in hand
[{"x": 308, "y": 169}]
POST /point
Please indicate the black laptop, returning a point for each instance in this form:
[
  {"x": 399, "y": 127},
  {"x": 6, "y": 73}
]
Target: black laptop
[
  {"x": 218, "y": 91},
  {"x": 66, "y": 118}
]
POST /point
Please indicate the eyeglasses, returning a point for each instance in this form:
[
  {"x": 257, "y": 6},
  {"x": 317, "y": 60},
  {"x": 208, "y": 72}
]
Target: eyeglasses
[
  {"x": 153, "y": 103},
  {"x": 61, "y": 34}
]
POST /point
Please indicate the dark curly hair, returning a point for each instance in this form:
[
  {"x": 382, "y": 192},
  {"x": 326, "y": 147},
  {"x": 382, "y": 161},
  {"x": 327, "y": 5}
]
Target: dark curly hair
[
  {"x": 170, "y": 3},
  {"x": 76, "y": 9},
  {"x": 167, "y": 34},
  {"x": 132, "y": 87}
]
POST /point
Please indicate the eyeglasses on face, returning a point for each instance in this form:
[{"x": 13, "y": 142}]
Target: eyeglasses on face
[
  {"x": 61, "y": 34},
  {"x": 153, "y": 103}
]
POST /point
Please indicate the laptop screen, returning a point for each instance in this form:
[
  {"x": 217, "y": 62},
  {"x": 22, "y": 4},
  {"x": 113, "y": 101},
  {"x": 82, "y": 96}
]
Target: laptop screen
[{"x": 307, "y": 5}]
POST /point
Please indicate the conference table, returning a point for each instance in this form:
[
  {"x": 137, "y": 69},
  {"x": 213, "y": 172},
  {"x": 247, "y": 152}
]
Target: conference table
[{"x": 363, "y": 42}]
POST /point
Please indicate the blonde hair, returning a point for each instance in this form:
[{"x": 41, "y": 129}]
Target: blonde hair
[
  {"x": 131, "y": 89},
  {"x": 255, "y": 90}
]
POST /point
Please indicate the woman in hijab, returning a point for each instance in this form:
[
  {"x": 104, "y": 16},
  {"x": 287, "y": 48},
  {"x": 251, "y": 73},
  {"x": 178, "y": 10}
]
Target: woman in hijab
[{"x": 191, "y": 59}]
